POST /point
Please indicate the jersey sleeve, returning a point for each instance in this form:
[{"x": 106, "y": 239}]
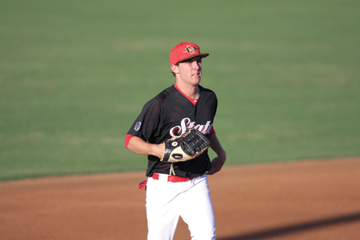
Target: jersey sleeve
[{"x": 147, "y": 122}]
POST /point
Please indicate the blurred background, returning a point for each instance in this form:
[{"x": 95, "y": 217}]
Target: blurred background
[{"x": 75, "y": 74}]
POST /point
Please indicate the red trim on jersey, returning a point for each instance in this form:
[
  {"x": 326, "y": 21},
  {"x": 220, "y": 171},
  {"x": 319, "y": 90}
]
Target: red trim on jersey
[
  {"x": 127, "y": 140},
  {"x": 193, "y": 101}
]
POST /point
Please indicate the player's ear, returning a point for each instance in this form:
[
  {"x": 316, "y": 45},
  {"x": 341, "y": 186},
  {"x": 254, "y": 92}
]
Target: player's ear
[{"x": 175, "y": 69}]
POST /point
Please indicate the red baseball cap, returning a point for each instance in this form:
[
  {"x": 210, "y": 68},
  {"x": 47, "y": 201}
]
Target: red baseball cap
[{"x": 185, "y": 51}]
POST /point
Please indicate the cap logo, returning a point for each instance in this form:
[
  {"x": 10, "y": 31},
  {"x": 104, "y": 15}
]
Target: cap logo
[{"x": 191, "y": 49}]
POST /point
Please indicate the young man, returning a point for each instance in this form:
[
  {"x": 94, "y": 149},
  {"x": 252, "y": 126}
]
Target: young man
[{"x": 178, "y": 189}]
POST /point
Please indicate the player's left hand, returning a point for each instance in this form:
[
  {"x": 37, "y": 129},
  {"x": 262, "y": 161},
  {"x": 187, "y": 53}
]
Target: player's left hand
[
  {"x": 218, "y": 161},
  {"x": 216, "y": 165}
]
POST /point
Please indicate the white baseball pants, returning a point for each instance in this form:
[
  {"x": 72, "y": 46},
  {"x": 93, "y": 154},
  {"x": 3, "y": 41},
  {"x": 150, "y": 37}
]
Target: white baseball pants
[{"x": 190, "y": 200}]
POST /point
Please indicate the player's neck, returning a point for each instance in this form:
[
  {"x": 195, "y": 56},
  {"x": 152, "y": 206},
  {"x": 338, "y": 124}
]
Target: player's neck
[{"x": 189, "y": 90}]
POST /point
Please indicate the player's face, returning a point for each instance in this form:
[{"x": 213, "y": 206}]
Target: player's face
[{"x": 190, "y": 71}]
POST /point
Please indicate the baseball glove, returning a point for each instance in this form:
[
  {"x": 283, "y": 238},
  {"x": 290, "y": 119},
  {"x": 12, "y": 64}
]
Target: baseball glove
[{"x": 185, "y": 147}]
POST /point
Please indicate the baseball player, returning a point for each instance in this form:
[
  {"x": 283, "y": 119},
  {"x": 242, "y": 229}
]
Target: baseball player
[{"x": 177, "y": 186}]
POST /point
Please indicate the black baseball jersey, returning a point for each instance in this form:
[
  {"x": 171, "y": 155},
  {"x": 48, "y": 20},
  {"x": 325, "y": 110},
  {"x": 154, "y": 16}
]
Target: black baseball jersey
[{"x": 169, "y": 114}]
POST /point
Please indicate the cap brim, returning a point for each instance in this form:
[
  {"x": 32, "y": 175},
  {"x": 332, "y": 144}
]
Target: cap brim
[{"x": 202, "y": 55}]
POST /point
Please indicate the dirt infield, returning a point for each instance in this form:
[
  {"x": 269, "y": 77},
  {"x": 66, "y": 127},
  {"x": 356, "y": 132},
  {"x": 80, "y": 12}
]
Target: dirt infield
[{"x": 295, "y": 200}]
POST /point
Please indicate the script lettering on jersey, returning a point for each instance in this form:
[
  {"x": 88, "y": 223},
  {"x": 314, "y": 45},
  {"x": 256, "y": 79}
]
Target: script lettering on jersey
[{"x": 186, "y": 123}]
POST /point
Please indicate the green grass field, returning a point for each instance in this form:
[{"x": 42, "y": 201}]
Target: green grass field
[{"x": 75, "y": 74}]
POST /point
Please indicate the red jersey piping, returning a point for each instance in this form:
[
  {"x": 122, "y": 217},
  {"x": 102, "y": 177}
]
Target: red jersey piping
[
  {"x": 127, "y": 140},
  {"x": 193, "y": 101}
]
